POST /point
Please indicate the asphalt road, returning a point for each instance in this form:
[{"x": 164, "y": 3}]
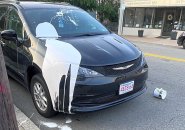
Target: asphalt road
[{"x": 143, "y": 113}]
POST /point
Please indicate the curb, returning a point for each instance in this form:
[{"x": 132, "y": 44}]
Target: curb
[{"x": 24, "y": 122}]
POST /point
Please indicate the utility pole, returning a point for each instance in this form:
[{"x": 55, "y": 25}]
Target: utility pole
[
  {"x": 7, "y": 114},
  {"x": 121, "y": 13}
]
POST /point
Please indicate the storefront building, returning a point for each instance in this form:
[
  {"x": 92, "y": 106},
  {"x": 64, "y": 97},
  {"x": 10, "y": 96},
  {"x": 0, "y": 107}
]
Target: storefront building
[{"x": 156, "y": 17}]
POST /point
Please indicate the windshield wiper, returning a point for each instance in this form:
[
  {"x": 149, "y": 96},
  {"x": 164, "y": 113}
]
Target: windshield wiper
[{"x": 89, "y": 34}]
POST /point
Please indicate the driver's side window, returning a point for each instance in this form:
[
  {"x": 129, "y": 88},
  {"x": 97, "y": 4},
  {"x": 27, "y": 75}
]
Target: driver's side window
[{"x": 15, "y": 23}]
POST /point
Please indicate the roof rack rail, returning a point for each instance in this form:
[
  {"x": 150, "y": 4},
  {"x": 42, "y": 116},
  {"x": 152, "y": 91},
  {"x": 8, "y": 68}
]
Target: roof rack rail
[
  {"x": 13, "y": 1},
  {"x": 9, "y": 0},
  {"x": 18, "y": 2}
]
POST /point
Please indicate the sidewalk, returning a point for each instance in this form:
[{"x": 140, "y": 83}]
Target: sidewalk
[
  {"x": 24, "y": 122},
  {"x": 160, "y": 41}
]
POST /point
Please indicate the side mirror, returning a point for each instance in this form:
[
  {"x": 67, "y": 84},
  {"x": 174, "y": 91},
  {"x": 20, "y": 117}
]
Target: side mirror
[{"x": 9, "y": 35}]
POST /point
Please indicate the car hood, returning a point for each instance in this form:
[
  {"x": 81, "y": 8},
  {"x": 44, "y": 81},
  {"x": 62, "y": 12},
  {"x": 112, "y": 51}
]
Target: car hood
[{"x": 103, "y": 50}]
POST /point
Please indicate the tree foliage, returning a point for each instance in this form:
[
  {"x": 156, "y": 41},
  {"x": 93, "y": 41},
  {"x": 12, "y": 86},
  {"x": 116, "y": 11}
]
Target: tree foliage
[
  {"x": 84, "y": 4},
  {"x": 108, "y": 9},
  {"x": 89, "y": 5}
]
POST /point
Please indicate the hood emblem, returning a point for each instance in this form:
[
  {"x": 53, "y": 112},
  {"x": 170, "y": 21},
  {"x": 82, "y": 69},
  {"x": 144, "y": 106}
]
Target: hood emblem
[{"x": 123, "y": 68}]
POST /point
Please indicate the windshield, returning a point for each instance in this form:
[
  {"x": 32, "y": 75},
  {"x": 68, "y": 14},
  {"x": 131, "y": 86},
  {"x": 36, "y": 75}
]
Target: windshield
[{"x": 67, "y": 22}]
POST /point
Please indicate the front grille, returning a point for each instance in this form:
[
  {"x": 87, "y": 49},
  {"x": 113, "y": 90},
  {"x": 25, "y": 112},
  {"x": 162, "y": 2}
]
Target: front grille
[
  {"x": 109, "y": 70},
  {"x": 95, "y": 100}
]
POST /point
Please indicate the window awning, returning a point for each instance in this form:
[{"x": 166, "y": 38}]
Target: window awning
[{"x": 154, "y": 3}]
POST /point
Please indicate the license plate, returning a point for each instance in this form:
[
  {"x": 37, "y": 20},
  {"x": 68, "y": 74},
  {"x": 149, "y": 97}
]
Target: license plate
[{"x": 126, "y": 87}]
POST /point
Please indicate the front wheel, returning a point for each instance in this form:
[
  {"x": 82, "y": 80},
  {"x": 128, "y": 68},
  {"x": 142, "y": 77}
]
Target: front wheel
[{"x": 41, "y": 97}]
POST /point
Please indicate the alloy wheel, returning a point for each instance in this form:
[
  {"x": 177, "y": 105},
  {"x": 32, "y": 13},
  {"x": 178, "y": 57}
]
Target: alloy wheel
[{"x": 40, "y": 97}]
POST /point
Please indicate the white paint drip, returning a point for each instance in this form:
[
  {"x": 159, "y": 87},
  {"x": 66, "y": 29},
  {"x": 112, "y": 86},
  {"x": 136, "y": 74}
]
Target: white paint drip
[
  {"x": 58, "y": 58},
  {"x": 57, "y": 64}
]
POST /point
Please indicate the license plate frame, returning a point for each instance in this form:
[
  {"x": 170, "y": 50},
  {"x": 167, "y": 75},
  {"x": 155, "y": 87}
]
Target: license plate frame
[{"x": 126, "y": 87}]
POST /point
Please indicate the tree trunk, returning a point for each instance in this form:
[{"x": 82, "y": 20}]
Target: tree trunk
[{"x": 7, "y": 114}]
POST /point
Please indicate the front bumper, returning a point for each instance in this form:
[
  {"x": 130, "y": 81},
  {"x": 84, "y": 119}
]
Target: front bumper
[
  {"x": 103, "y": 92},
  {"x": 78, "y": 109}
]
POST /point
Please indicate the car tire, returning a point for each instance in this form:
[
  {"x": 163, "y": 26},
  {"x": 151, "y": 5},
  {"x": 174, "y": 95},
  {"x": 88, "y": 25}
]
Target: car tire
[
  {"x": 41, "y": 97},
  {"x": 183, "y": 44}
]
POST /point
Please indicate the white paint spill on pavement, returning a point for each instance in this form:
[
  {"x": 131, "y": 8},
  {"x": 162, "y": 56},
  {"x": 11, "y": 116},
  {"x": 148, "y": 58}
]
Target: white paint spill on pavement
[
  {"x": 50, "y": 124},
  {"x": 68, "y": 121},
  {"x": 64, "y": 127},
  {"x": 60, "y": 127}
]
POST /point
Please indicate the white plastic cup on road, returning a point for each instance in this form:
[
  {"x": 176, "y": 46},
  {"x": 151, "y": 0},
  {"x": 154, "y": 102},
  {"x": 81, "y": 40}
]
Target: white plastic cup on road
[{"x": 160, "y": 93}]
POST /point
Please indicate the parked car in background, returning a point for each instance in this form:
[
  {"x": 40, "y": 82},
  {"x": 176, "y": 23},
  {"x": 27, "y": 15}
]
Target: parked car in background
[
  {"x": 181, "y": 40},
  {"x": 68, "y": 60}
]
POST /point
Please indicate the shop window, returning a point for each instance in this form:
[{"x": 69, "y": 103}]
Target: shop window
[
  {"x": 139, "y": 17},
  {"x": 182, "y": 23},
  {"x": 129, "y": 17},
  {"x": 158, "y": 22},
  {"x": 148, "y": 18},
  {"x": 177, "y": 24}
]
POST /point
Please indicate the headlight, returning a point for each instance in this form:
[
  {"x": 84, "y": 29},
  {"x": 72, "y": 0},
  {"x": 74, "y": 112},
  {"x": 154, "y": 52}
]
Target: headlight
[
  {"x": 88, "y": 72},
  {"x": 143, "y": 61},
  {"x": 144, "y": 65}
]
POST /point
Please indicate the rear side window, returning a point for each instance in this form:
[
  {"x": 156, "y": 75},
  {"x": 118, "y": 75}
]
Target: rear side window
[{"x": 3, "y": 15}]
